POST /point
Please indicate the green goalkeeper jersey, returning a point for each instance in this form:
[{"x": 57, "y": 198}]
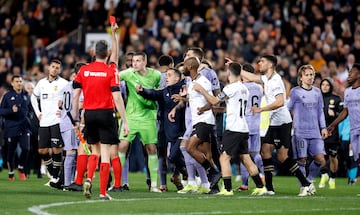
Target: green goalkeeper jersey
[{"x": 138, "y": 108}]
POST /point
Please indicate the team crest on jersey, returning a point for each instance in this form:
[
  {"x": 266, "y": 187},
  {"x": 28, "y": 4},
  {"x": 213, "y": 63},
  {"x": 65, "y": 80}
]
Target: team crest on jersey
[{"x": 55, "y": 88}]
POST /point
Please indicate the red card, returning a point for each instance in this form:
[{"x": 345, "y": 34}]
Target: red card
[{"x": 112, "y": 20}]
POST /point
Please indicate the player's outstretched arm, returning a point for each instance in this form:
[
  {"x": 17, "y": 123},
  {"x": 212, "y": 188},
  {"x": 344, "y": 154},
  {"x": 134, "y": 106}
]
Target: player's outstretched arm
[{"x": 210, "y": 98}]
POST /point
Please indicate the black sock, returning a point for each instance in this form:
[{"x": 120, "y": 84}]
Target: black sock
[
  {"x": 257, "y": 180},
  {"x": 227, "y": 183},
  {"x": 323, "y": 170},
  {"x": 294, "y": 169},
  {"x": 268, "y": 169},
  {"x": 57, "y": 158},
  {"x": 332, "y": 174}
]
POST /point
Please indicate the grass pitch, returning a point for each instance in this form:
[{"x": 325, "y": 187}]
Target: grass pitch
[{"x": 32, "y": 197}]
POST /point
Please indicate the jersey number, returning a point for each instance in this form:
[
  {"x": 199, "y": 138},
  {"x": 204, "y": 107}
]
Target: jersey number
[
  {"x": 242, "y": 107},
  {"x": 67, "y": 101},
  {"x": 255, "y": 101}
]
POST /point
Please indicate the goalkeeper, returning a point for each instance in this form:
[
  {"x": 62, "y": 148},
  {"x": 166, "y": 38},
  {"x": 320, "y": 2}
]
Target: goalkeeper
[{"x": 141, "y": 113}]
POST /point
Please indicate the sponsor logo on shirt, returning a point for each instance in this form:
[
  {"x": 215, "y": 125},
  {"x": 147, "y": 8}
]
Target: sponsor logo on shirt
[{"x": 94, "y": 74}]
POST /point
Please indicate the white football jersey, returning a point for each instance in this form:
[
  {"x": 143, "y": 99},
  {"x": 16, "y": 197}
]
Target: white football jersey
[
  {"x": 273, "y": 87},
  {"x": 197, "y": 100},
  {"x": 236, "y": 96},
  {"x": 49, "y": 94}
]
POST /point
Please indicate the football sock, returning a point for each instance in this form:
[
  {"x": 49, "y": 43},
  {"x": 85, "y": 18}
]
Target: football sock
[
  {"x": 258, "y": 162},
  {"x": 201, "y": 172},
  {"x": 48, "y": 162},
  {"x": 57, "y": 162},
  {"x": 188, "y": 163},
  {"x": 302, "y": 167},
  {"x": 268, "y": 168},
  {"x": 91, "y": 168},
  {"x": 81, "y": 165},
  {"x": 116, "y": 165},
  {"x": 332, "y": 174},
  {"x": 69, "y": 168},
  {"x": 244, "y": 175},
  {"x": 153, "y": 168},
  {"x": 257, "y": 180},
  {"x": 104, "y": 177},
  {"x": 294, "y": 169},
  {"x": 323, "y": 170},
  {"x": 125, "y": 168},
  {"x": 314, "y": 169},
  {"x": 227, "y": 183}
]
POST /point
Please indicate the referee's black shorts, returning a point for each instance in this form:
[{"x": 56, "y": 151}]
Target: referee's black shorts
[{"x": 101, "y": 126}]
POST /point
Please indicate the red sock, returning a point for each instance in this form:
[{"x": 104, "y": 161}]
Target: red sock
[
  {"x": 116, "y": 165},
  {"x": 104, "y": 177},
  {"x": 92, "y": 164},
  {"x": 81, "y": 164}
]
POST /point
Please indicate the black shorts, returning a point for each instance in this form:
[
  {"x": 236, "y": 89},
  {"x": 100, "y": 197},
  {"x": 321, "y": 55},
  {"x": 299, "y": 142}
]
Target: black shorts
[
  {"x": 279, "y": 136},
  {"x": 50, "y": 137},
  {"x": 203, "y": 131},
  {"x": 331, "y": 148},
  {"x": 235, "y": 143},
  {"x": 332, "y": 144},
  {"x": 101, "y": 126}
]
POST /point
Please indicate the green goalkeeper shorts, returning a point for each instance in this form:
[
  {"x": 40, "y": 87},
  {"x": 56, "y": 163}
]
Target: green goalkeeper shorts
[{"x": 146, "y": 130}]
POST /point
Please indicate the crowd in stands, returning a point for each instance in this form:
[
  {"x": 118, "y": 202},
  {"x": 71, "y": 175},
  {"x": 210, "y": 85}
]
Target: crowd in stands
[{"x": 324, "y": 33}]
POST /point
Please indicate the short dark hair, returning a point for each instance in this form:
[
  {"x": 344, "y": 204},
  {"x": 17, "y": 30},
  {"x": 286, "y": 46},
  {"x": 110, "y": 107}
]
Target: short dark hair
[
  {"x": 55, "y": 61},
  {"x": 165, "y": 60},
  {"x": 101, "y": 49},
  {"x": 176, "y": 71},
  {"x": 15, "y": 76},
  {"x": 197, "y": 51},
  {"x": 248, "y": 67},
  {"x": 130, "y": 53},
  {"x": 143, "y": 54},
  {"x": 235, "y": 68},
  {"x": 271, "y": 58}
]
